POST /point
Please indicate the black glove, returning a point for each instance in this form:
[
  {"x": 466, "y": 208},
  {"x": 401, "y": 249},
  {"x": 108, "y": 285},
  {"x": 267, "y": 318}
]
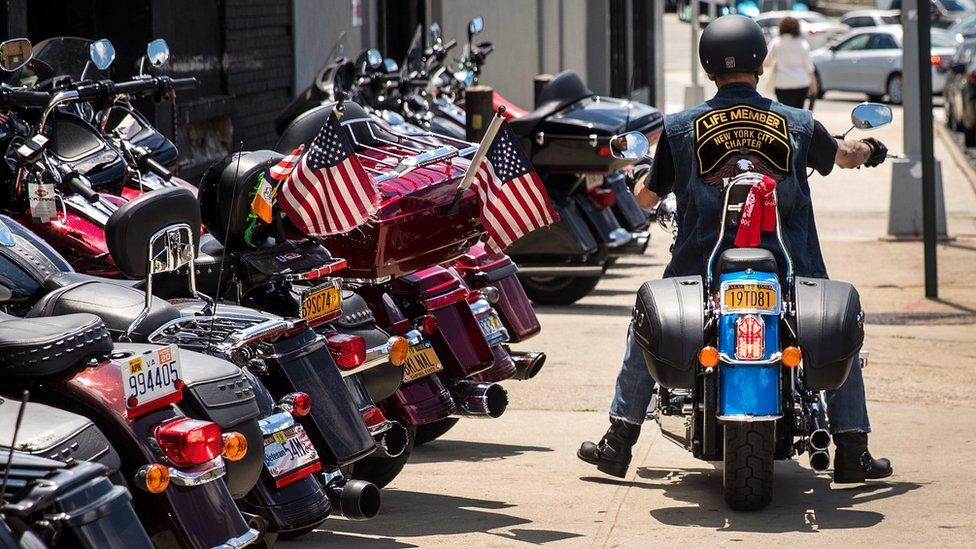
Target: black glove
[{"x": 878, "y": 152}]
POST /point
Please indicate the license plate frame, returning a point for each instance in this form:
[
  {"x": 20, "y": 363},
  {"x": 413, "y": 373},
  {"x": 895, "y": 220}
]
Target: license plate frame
[
  {"x": 320, "y": 301},
  {"x": 281, "y": 462},
  {"x": 151, "y": 377},
  {"x": 431, "y": 362},
  {"x": 745, "y": 297},
  {"x": 494, "y": 324}
]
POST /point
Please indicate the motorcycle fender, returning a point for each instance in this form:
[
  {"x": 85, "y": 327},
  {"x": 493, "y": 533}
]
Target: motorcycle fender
[
  {"x": 668, "y": 324},
  {"x": 568, "y": 237},
  {"x": 829, "y": 329}
]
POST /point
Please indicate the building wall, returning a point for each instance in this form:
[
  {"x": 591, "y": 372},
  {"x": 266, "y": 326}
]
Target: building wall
[{"x": 318, "y": 25}]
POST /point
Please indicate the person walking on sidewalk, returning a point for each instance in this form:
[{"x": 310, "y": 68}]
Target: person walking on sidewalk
[
  {"x": 732, "y": 50},
  {"x": 790, "y": 66}
]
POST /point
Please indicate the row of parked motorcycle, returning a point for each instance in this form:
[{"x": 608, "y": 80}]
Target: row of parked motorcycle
[{"x": 174, "y": 372}]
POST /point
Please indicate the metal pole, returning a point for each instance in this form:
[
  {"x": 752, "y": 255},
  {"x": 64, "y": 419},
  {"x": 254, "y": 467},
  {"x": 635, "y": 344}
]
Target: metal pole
[
  {"x": 694, "y": 94},
  {"x": 923, "y": 28}
]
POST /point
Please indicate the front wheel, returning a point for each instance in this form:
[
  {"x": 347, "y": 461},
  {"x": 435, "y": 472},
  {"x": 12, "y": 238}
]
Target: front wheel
[
  {"x": 558, "y": 290},
  {"x": 747, "y": 477}
]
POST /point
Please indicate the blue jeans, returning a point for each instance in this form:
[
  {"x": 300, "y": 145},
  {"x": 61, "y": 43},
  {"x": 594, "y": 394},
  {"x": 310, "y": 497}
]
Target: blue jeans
[{"x": 846, "y": 407}]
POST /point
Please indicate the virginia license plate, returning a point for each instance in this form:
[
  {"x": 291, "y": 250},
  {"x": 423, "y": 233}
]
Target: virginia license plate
[
  {"x": 421, "y": 361},
  {"x": 320, "y": 301},
  {"x": 287, "y": 450},
  {"x": 151, "y": 376},
  {"x": 754, "y": 297},
  {"x": 490, "y": 324}
]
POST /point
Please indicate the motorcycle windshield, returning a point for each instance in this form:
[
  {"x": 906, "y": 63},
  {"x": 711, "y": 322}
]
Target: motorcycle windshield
[
  {"x": 56, "y": 57},
  {"x": 415, "y": 53}
]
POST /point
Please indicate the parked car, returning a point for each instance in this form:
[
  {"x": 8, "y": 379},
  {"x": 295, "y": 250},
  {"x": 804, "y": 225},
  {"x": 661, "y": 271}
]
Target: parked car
[
  {"x": 869, "y": 60},
  {"x": 964, "y": 28},
  {"x": 960, "y": 91},
  {"x": 818, "y": 29},
  {"x": 944, "y": 12},
  {"x": 871, "y": 18}
]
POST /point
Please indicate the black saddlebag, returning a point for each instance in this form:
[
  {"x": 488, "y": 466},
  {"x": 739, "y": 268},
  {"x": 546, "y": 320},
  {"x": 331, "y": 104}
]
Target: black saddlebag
[
  {"x": 669, "y": 327},
  {"x": 829, "y": 329},
  {"x": 568, "y": 237}
]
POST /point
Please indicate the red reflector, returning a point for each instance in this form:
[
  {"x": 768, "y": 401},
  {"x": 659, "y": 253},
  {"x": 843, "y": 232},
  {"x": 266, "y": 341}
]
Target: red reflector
[
  {"x": 474, "y": 296},
  {"x": 349, "y": 351},
  {"x": 372, "y": 416},
  {"x": 298, "y": 474},
  {"x": 447, "y": 299},
  {"x": 604, "y": 198},
  {"x": 301, "y": 404},
  {"x": 604, "y": 150},
  {"x": 750, "y": 338},
  {"x": 188, "y": 442},
  {"x": 937, "y": 61},
  {"x": 428, "y": 324},
  {"x": 401, "y": 327},
  {"x": 971, "y": 78}
]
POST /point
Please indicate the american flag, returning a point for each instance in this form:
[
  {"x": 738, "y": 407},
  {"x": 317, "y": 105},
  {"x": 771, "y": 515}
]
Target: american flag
[
  {"x": 513, "y": 200},
  {"x": 283, "y": 168},
  {"x": 328, "y": 192}
]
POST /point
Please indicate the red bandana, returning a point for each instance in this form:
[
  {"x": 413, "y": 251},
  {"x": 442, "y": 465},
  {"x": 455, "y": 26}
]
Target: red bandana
[{"x": 758, "y": 214}]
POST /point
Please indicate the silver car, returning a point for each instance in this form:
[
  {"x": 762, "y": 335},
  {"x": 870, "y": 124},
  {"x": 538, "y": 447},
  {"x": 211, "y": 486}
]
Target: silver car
[{"x": 869, "y": 60}]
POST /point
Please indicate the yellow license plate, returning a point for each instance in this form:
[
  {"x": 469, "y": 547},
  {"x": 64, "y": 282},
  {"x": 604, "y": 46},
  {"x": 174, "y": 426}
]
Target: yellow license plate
[
  {"x": 320, "y": 302},
  {"x": 750, "y": 296},
  {"x": 421, "y": 361}
]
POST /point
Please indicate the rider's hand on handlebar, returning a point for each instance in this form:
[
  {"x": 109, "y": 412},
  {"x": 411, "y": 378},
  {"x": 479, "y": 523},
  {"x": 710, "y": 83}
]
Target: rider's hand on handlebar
[{"x": 878, "y": 152}]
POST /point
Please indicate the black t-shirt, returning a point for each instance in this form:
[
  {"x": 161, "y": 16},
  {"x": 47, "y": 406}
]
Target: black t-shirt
[{"x": 823, "y": 150}]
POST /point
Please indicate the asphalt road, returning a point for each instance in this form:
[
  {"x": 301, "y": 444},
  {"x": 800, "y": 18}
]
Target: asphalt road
[{"x": 515, "y": 481}]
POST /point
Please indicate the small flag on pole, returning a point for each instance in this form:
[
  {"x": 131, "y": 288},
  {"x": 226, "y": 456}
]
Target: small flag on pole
[
  {"x": 264, "y": 197},
  {"x": 513, "y": 200},
  {"x": 328, "y": 192}
]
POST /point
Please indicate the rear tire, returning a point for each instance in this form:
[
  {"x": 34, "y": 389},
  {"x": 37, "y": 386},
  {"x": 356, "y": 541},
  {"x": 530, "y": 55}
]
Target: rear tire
[
  {"x": 382, "y": 470},
  {"x": 558, "y": 290},
  {"x": 747, "y": 475},
  {"x": 433, "y": 431},
  {"x": 894, "y": 88}
]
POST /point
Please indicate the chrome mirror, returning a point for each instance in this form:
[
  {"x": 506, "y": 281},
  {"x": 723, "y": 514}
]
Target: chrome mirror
[
  {"x": 435, "y": 32},
  {"x": 374, "y": 59},
  {"x": 868, "y": 116},
  {"x": 475, "y": 26},
  {"x": 157, "y": 52},
  {"x": 102, "y": 53},
  {"x": 629, "y": 146},
  {"x": 667, "y": 212},
  {"x": 14, "y": 54}
]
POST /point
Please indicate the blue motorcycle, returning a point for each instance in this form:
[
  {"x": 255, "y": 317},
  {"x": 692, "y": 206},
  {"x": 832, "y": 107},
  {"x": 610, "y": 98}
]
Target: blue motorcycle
[{"x": 742, "y": 355}]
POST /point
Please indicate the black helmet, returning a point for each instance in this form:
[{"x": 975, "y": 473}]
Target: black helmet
[{"x": 732, "y": 43}]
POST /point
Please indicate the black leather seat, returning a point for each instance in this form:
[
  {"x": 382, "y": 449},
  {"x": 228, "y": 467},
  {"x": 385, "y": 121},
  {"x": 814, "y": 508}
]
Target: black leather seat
[
  {"x": 562, "y": 91},
  {"x": 116, "y": 304},
  {"x": 47, "y": 346},
  {"x": 739, "y": 259}
]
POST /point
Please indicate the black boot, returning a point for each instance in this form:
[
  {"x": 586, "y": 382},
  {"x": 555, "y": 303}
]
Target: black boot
[
  {"x": 852, "y": 461},
  {"x": 612, "y": 454}
]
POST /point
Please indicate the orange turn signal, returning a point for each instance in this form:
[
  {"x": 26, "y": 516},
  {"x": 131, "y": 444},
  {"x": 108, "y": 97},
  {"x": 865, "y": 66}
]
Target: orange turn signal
[
  {"x": 399, "y": 346},
  {"x": 153, "y": 477},
  {"x": 235, "y": 446},
  {"x": 792, "y": 357},
  {"x": 708, "y": 357}
]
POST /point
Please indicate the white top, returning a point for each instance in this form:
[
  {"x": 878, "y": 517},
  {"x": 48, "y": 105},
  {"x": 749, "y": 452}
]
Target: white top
[{"x": 789, "y": 61}]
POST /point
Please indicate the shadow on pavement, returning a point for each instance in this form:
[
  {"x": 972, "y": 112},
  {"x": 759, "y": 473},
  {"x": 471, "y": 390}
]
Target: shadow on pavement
[
  {"x": 408, "y": 514},
  {"x": 802, "y": 501},
  {"x": 586, "y": 309},
  {"x": 442, "y": 450}
]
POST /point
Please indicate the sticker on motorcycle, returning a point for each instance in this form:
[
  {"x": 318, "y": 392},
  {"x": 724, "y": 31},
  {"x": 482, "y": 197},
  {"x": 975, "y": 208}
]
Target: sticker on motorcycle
[
  {"x": 43, "y": 207},
  {"x": 724, "y": 136}
]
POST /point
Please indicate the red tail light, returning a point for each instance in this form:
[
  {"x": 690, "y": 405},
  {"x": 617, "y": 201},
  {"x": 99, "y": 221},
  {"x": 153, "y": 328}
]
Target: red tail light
[
  {"x": 298, "y": 404},
  {"x": 401, "y": 326},
  {"x": 446, "y": 299},
  {"x": 603, "y": 198},
  {"x": 937, "y": 61},
  {"x": 188, "y": 442},
  {"x": 428, "y": 324},
  {"x": 349, "y": 351},
  {"x": 473, "y": 296},
  {"x": 372, "y": 416},
  {"x": 604, "y": 150},
  {"x": 750, "y": 338}
]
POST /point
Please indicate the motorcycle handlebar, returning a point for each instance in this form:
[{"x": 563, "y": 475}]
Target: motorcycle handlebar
[
  {"x": 148, "y": 163},
  {"x": 27, "y": 98},
  {"x": 76, "y": 183}
]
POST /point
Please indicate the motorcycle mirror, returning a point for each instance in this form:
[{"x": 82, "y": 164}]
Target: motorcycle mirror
[
  {"x": 15, "y": 53},
  {"x": 157, "y": 52},
  {"x": 868, "y": 116},
  {"x": 435, "y": 32},
  {"x": 102, "y": 53},
  {"x": 629, "y": 146},
  {"x": 374, "y": 59},
  {"x": 475, "y": 26},
  {"x": 389, "y": 65}
]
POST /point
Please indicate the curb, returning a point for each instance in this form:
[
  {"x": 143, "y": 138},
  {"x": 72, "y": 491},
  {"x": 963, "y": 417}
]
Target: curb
[{"x": 957, "y": 154}]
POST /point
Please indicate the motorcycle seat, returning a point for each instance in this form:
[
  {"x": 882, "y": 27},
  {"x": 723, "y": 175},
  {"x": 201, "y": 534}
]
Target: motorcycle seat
[
  {"x": 562, "y": 91},
  {"x": 739, "y": 259},
  {"x": 117, "y": 305},
  {"x": 38, "y": 347}
]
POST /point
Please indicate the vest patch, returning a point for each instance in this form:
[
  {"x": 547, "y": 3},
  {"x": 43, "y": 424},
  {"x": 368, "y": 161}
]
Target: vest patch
[{"x": 724, "y": 136}]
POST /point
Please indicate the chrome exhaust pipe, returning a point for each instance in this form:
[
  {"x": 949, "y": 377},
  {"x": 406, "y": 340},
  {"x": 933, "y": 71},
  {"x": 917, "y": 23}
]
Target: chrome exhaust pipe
[
  {"x": 354, "y": 499},
  {"x": 819, "y": 460},
  {"x": 393, "y": 441},
  {"x": 820, "y": 440},
  {"x": 479, "y": 399},
  {"x": 527, "y": 365}
]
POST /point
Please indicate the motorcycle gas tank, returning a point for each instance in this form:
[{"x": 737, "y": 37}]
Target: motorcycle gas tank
[
  {"x": 78, "y": 144},
  {"x": 25, "y": 262}
]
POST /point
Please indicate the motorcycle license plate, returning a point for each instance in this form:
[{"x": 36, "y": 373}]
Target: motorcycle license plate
[
  {"x": 151, "y": 376},
  {"x": 593, "y": 181},
  {"x": 490, "y": 324},
  {"x": 287, "y": 450},
  {"x": 320, "y": 301},
  {"x": 753, "y": 297},
  {"x": 421, "y": 361}
]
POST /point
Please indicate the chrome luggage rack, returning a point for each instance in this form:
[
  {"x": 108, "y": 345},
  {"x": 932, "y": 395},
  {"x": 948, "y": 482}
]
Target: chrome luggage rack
[{"x": 407, "y": 152}]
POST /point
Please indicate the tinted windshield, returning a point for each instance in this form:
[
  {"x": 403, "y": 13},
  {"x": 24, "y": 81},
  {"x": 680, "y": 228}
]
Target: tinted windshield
[{"x": 67, "y": 56}]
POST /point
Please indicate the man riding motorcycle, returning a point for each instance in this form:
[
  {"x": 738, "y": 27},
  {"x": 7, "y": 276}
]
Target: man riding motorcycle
[{"x": 736, "y": 128}]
